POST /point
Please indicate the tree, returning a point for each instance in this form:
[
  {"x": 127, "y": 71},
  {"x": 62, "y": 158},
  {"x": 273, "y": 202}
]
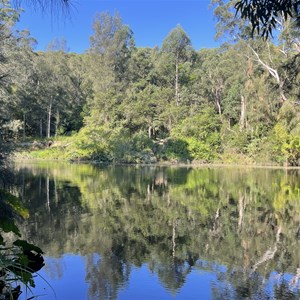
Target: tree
[
  {"x": 22, "y": 66},
  {"x": 229, "y": 24},
  {"x": 9, "y": 68},
  {"x": 178, "y": 45},
  {"x": 110, "y": 50},
  {"x": 59, "y": 91},
  {"x": 8, "y": 18},
  {"x": 264, "y": 14},
  {"x": 112, "y": 43}
]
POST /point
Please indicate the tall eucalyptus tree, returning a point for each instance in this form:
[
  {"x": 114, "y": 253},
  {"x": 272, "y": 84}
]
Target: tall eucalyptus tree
[
  {"x": 110, "y": 49},
  {"x": 178, "y": 45}
]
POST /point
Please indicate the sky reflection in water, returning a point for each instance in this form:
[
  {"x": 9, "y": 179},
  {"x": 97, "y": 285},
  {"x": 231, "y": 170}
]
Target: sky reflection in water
[{"x": 67, "y": 278}]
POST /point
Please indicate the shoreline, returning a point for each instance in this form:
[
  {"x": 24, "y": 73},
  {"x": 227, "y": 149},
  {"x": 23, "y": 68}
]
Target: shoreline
[{"x": 157, "y": 164}]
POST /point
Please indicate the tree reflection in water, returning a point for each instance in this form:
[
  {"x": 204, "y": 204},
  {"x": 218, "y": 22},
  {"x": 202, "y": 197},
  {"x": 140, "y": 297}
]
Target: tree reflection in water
[{"x": 240, "y": 224}]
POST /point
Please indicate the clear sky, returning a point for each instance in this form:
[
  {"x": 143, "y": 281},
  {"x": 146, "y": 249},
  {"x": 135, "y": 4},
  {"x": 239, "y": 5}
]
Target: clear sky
[{"x": 150, "y": 20}]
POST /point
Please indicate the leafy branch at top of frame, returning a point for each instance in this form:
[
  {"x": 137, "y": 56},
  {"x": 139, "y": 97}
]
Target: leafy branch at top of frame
[{"x": 264, "y": 14}]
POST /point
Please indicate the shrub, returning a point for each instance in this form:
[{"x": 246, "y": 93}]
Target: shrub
[
  {"x": 199, "y": 136},
  {"x": 200, "y": 150},
  {"x": 176, "y": 149},
  {"x": 287, "y": 146}
]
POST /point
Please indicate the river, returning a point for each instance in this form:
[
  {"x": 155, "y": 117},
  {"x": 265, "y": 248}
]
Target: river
[{"x": 154, "y": 232}]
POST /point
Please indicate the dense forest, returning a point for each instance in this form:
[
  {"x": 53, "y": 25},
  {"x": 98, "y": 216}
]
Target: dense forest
[{"x": 116, "y": 102}]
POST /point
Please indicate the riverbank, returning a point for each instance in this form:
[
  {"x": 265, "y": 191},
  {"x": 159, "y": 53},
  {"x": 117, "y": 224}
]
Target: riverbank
[{"x": 64, "y": 150}]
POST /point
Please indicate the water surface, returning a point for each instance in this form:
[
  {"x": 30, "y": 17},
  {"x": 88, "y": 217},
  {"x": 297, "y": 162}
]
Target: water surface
[{"x": 163, "y": 232}]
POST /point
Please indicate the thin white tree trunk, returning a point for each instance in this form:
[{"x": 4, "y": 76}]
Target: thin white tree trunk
[
  {"x": 269, "y": 254},
  {"x": 176, "y": 81},
  {"x": 48, "y": 192},
  {"x": 243, "y": 113},
  {"x": 49, "y": 117},
  {"x": 241, "y": 211},
  {"x": 41, "y": 128},
  {"x": 57, "y": 122},
  {"x": 174, "y": 239},
  {"x": 150, "y": 132},
  {"x": 218, "y": 93},
  {"x": 219, "y": 107},
  {"x": 273, "y": 72},
  {"x": 24, "y": 126}
]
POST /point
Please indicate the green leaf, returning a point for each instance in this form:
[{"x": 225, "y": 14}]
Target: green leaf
[
  {"x": 26, "y": 276},
  {"x": 7, "y": 225},
  {"x": 15, "y": 203},
  {"x": 27, "y": 246}
]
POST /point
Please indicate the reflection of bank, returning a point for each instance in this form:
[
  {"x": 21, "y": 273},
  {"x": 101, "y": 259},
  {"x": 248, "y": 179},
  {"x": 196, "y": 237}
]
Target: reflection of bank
[
  {"x": 106, "y": 275},
  {"x": 225, "y": 217},
  {"x": 159, "y": 183}
]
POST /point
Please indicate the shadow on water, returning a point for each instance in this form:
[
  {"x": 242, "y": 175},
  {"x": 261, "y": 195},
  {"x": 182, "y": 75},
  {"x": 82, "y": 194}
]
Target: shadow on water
[{"x": 240, "y": 225}]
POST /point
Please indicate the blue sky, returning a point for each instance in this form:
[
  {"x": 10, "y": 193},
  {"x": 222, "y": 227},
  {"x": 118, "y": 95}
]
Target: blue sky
[{"x": 150, "y": 20}]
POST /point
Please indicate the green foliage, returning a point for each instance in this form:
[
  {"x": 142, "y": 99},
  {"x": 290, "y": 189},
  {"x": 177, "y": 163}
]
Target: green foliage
[
  {"x": 203, "y": 151},
  {"x": 8, "y": 226},
  {"x": 177, "y": 42},
  {"x": 201, "y": 126},
  {"x": 286, "y": 135},
  {"x": 25, "y": 246},
  {"x": 263, "y": 15},
  {"x": 102, "y": 144},
  {"x": 287, "y": 146},
  {"x": 92, "y": 143},
  {"x": 176, "y": 150},
  {"x": 234, "y": 140},
  {"x": 200, "y": 133},
  {"x": 15, "y": 203},
  {"x": 8, "y": 15},
  {"x": 232, "y": 103},
  {"x": 18, "y": 258}
]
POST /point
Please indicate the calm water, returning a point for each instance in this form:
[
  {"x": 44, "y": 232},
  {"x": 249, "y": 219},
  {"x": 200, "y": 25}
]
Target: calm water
[{"x": 163, "y": 233}]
